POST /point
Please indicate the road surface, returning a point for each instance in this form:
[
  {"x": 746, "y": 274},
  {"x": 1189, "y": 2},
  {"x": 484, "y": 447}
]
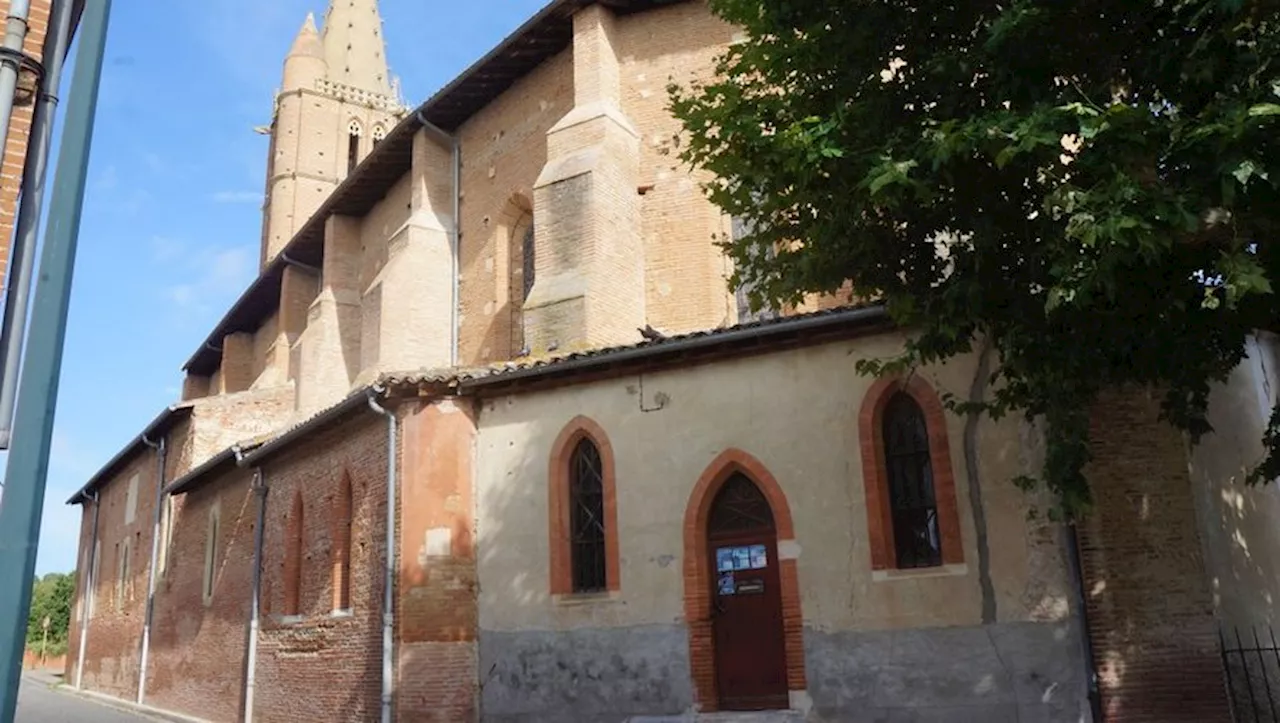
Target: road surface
[{"x": 37, "y": 703}]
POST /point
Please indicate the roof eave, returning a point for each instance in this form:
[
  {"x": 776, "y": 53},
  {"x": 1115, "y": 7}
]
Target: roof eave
[
  {"x": 873, "y": 316},
  {"x": 162, "y": 423}
]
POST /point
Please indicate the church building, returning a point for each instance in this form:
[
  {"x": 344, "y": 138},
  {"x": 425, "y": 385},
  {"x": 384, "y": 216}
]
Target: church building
[{"x": 490, "y": 438}]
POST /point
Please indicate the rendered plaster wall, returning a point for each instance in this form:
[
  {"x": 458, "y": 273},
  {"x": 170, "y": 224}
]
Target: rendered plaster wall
[{"x": 797, "y": 412}]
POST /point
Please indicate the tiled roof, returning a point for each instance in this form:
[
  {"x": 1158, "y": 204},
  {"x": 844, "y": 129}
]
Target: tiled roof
[
  {"x": 189, "y": 480},
  {"x": 162, "y": 423},
  {"x": 544, "y": 35},
  {"x": 763, "y": 330},
  {"x": 762, "y": 336}
]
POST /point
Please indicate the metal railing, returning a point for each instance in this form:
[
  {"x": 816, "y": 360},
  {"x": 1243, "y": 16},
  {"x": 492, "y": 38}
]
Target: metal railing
[{"x": 1251, "y": 660}]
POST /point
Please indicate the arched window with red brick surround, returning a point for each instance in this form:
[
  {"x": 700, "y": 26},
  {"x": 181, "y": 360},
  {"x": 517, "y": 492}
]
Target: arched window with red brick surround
[
  {"x": 912, "y": 517},
  {"x": 293, "y": 559},
  {"x": 584, "y": 511},
  {"x": 342, "y": 544}
]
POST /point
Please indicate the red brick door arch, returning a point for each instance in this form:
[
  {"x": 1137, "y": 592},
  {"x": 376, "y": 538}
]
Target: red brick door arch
[{"x": 699, "y": 574}]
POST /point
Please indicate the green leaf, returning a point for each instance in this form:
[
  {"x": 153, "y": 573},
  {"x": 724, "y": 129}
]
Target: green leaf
[{"x": 1264, "y": 109}]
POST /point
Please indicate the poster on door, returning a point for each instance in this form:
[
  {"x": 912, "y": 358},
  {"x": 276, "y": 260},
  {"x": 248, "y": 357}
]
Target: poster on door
[{"x": 741, "y": 557}]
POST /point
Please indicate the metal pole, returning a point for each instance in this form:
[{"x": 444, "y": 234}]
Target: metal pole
[
  {"x": 22, "y": 258},
  {"x": 28, "y": 463},
  {"x": 15, "y": 34}
]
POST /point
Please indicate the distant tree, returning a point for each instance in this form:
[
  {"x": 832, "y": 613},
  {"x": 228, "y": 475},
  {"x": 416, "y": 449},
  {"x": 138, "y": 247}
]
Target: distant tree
[
  {"x": 1087, "y": 187},
  {"x": 51, "y": 595}
]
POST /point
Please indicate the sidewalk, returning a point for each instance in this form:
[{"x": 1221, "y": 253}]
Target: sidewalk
[{"x": 53, "y": 679}]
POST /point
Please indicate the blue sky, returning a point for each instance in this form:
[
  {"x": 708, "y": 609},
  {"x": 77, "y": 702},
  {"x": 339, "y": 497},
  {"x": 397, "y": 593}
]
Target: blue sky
[{"x": 169, "y": 237}]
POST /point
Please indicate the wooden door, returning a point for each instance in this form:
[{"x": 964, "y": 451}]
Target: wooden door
[{"x": 746, "y": 600}]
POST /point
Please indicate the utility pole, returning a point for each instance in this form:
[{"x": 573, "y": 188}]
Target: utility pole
[{"x": 28, "y": 464}]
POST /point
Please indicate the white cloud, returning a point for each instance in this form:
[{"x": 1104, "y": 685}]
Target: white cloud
[
  {"x": 108, "y": 180},
  {"x": 214, "y": 278}
]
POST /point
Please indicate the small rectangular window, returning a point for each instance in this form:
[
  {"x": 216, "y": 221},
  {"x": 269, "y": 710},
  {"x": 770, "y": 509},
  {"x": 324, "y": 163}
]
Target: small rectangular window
[{"x": 211, "y": 554}]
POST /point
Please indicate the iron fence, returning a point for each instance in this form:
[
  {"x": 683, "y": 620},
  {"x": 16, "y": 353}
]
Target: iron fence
[{"x": 1252, "y": 664}]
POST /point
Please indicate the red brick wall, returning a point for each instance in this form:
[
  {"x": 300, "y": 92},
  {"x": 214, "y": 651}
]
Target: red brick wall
[
  {"x": 112, "y": 652},
  {"x": 436, "y": 602},
  {"x": 1149, "y": 605},
  {"x": 15, "y": 147},
  {"x": 319, "y": 664},
  {"x": 197, "y": 654}
]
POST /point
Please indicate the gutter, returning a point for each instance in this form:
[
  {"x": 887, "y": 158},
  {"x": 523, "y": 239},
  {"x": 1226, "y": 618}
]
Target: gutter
[
  {"x": 162, "y": 453},
  {"x": 157, "y": 426},
  {"x": 388, "y": 596},
  {"x": 865, "y": 315},
  {"x": 35, "y": 170},
  {"x": 87, "y": 597}
]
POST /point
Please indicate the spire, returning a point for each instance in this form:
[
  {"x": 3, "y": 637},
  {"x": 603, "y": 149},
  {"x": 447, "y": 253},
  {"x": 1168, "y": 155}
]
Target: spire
[
  {"x": 308, "y": 41},
  {"x": 353, "y": 45},
  {"x": 305, "y": 63}
]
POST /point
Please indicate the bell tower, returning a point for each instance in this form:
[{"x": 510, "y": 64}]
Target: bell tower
[{"x": 337, "y": 100}]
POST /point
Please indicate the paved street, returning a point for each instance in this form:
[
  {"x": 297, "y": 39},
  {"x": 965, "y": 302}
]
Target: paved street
[{"x": 37, "y": 703}]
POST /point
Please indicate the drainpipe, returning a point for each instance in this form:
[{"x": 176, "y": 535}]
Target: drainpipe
[
  {"x": 11, "y": 59},
  {"x": 251, "y": 656},
  {"x": 388, "y": 608},
  {"x": 1086, "y": 638},
  {"x": 455, "y": 145},
  {"x": 162, "y": 452},
  {"x": 87, "y": 596},
  {"x": 30, "y": 208}
]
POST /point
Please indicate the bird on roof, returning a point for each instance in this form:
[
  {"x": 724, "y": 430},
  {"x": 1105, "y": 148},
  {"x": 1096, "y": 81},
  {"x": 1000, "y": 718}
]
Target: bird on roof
[{"x": 651, "y": 334}]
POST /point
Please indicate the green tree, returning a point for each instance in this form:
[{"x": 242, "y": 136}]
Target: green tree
[
  {"x": 51, "y": 595},
  {"x": 1086, "y": 189}
]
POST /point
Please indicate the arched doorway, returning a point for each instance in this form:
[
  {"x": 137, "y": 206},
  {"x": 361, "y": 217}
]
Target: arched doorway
[{"x": 750, "y": 652}]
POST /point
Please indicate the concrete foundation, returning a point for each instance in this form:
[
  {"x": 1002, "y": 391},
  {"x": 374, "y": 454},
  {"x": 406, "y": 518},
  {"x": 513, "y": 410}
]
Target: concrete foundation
[
  {"x": 585, "y": 675},
  {"x": 1014, "y": 672},
  {"x": 1024, "y": 672}
]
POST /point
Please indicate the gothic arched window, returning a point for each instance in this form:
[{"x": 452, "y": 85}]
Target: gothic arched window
[
  {"x": 378, "y": 134},
  {"x": 354, "y": 131},
  {"x": 586, "y": 521},
  {"x": 293, "y": 559},
  {"x": 909, "y": 470},
  {"x": 528, "y": 254}
]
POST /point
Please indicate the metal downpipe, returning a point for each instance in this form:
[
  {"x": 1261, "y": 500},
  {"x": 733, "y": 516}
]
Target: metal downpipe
[
  {"x": 457, "y": 251},
  {"x": 27, "y": 467},
  {"x": 15, "y": 35},
  {"x": 251, "y": 648},
  {"x": 87, "y": 597},
  {"x": 1086, "y": 637},
  {"x": 388, "y": 609},
  {"x": 162, "y": 453},
  {"x": 34, "y": 172}
]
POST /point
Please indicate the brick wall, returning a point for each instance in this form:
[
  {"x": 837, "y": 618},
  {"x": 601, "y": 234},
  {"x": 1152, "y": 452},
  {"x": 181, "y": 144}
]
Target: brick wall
[
  {"x": 15, "y": 147},
  {"x": 115, "y": 629},
  {"x": 196, "y": 663},
  {"x": 1149, "y": 605},
  {"x": 685, "y": 274},
  {"x": 504, "y": 147},
  {"x": 321, "y": 661},
  {"x": 436, "y": 601}
]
